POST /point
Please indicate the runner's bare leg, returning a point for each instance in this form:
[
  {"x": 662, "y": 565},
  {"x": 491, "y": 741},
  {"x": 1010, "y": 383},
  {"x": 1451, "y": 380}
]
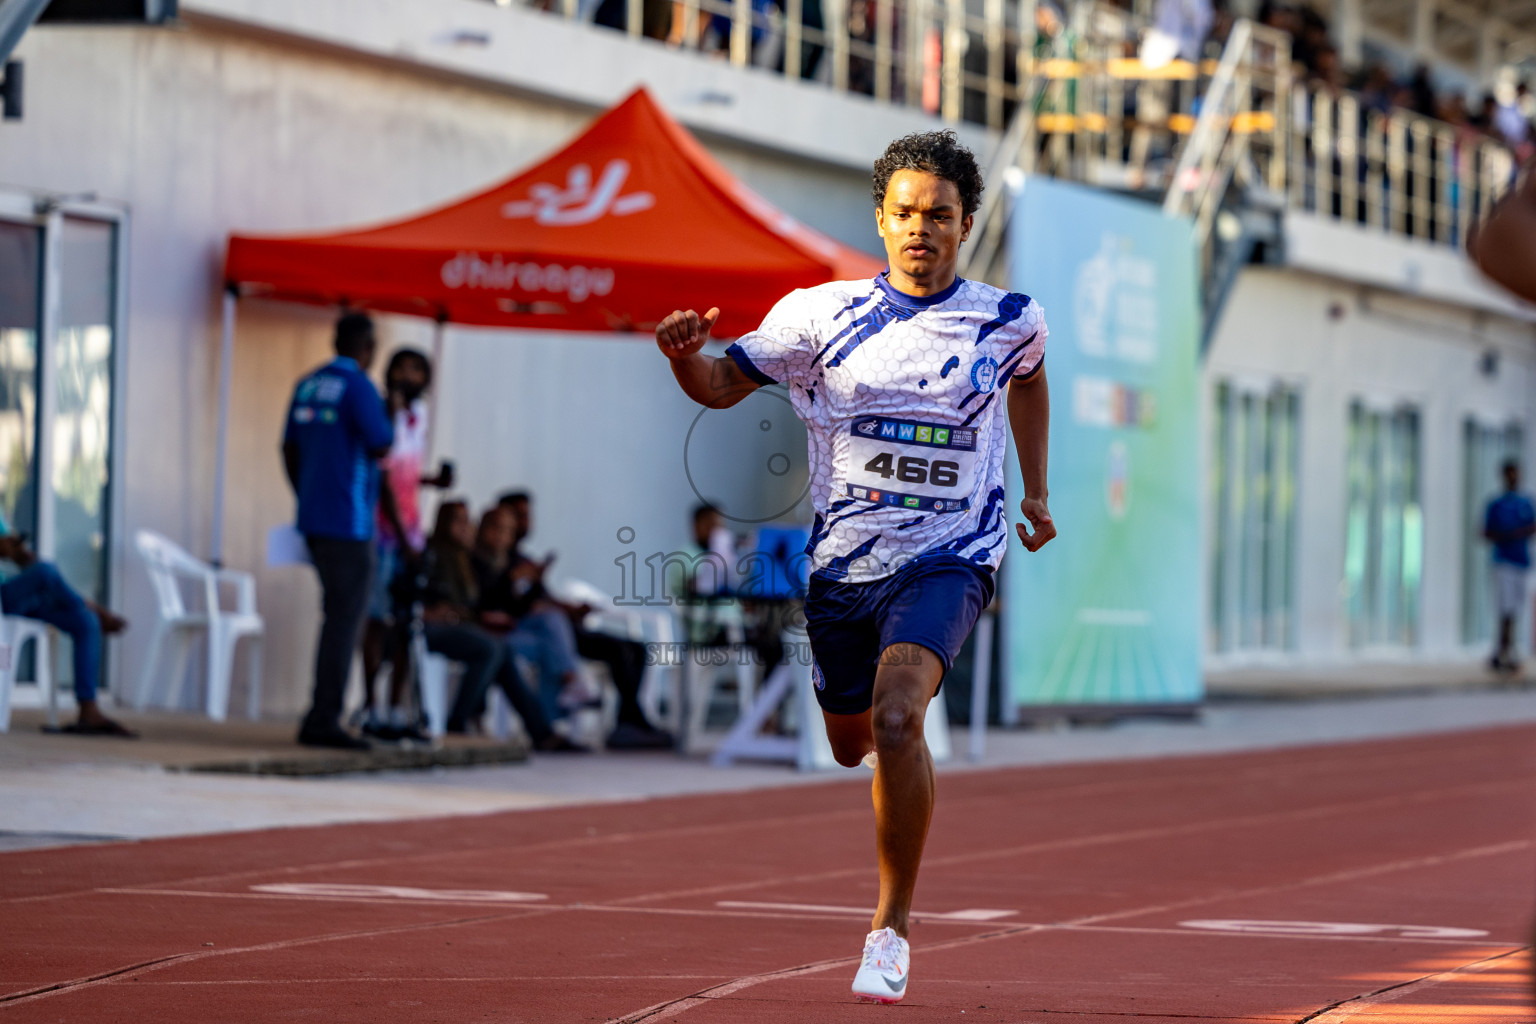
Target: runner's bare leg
[{"x": 904, "y": 781}]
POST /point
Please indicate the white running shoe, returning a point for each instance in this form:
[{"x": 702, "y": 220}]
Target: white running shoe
[
  {"x": 882, "y": 977},
  {"x": 871, "y": 760}
]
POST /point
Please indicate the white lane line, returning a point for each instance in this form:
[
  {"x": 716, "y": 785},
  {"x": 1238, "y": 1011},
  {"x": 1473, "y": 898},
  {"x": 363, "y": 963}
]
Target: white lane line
[
  {"x": 1330, "y": 929},
  {"x": 334, "y": 890},
  {"x": 811, "y": 912},
  {"x": 388, "y": 900},
  {"x": 817, "y": 908}
]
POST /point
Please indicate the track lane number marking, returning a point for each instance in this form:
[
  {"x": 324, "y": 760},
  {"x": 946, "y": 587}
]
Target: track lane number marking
[{"x": 1326, "y": 928}]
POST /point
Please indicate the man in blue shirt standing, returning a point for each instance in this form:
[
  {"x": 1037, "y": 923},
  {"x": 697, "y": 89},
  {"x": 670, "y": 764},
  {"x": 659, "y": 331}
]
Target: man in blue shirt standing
[
  {"x": 1508, "y": 525},
  {"x": 336, "y": 433}
]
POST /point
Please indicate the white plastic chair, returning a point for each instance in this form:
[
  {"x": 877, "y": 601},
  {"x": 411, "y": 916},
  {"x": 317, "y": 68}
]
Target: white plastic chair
[
  {"x": 177, "y": 625},
  {"x": 14, "y": 632},
  {"x": 686, "y": 675},
  {"x": 703, "y": 673}
]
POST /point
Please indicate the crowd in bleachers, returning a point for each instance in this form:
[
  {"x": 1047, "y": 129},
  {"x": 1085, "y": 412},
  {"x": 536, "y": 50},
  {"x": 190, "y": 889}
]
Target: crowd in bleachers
[{"x": 1506, "y": 112}]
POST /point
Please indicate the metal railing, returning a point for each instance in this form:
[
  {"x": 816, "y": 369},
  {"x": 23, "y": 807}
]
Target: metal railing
[
  {"x": 1071, "y": 103},
  {"x": 1391, "y": 170},
  {"x": 955, "y": 59},
  {"x": 1185, "y": 133},
  {"x": 1241, "y": 128}
]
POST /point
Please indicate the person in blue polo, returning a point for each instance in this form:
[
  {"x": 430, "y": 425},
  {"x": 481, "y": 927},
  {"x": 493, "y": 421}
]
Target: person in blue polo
[
  {"x": 337, "y": 431},
  {"x": 1508, "y": 525}
]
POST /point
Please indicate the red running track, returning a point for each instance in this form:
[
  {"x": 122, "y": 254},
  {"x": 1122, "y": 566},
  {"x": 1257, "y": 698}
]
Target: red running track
[{"x": 1372, "y": 882}]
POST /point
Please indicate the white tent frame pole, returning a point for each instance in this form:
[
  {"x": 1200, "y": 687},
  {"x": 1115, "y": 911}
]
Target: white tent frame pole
[
  {"x": 439, "y": 330},
  {"x": 221, "y": 454}
]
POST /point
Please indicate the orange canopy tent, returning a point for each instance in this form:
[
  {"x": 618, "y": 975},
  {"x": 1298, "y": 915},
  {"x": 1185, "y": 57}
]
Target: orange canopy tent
[{"x": 630, "y": 220}]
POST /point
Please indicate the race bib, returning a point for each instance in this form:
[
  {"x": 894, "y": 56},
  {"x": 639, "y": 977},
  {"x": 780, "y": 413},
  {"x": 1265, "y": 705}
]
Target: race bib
[{"x": 927, "y": 467}]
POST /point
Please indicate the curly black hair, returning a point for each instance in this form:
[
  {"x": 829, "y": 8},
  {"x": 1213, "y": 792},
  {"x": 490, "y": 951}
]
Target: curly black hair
[{"x": 938, "y": 153}]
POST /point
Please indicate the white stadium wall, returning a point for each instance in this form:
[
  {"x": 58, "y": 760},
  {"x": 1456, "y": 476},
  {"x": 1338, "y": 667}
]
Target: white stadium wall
[
  {"x": 1335, "y": 341},
  {"x": 211, "y": 126}
]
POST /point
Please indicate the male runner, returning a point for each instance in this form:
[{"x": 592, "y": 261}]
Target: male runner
[{"x": 897, "y": 380}]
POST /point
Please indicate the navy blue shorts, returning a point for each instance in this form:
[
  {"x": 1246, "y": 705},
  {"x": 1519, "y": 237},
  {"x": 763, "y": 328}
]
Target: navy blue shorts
[{"x": 932, "y": 601}]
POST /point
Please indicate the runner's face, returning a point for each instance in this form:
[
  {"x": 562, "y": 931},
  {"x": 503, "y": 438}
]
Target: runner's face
[{"x": 923, "y": 224}]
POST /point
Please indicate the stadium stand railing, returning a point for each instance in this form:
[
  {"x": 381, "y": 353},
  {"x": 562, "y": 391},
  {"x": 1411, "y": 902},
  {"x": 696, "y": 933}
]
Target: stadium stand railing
[{"x": 1231, "y": 142}]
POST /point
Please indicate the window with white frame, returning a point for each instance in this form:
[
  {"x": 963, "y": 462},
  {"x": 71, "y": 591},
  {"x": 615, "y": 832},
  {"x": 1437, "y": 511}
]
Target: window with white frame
[
  {"x": 1484, "y": 449},
  {"x": 1384, "y": 527},
  {"x": 1254, "y": 453},
  {"x": 64, "y": 261}
]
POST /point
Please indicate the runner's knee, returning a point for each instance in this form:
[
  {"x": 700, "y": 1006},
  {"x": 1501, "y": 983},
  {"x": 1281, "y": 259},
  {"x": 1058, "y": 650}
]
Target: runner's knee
[{"x": 898, "y": 722}]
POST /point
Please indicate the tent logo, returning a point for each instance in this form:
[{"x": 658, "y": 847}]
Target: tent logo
[
  {"x": 580, "y": 202},
  {"x": 470, "y": 270}
]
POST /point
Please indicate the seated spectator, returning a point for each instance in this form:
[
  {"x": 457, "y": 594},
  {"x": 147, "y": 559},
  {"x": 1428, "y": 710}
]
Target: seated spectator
[
  {"x": 39, "y": 592},
  {"x": 452, "y": 626},
  {"x": 535, "y": 629},
  {"x": 549, "y": 632}
]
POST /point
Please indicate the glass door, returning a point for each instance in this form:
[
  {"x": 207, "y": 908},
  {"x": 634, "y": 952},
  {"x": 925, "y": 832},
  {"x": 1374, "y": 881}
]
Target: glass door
[
  {"x": 82, "y": 402},
  {"x": 1253, "y": 514},
  {"x": 58, "y": 280},
  {"x": 21, "y": 249},
  {"x": 1384, "y": 524}
]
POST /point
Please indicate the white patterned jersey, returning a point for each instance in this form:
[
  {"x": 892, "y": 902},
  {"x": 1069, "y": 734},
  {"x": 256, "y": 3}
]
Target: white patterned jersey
[{"x": 903, "y": 400}]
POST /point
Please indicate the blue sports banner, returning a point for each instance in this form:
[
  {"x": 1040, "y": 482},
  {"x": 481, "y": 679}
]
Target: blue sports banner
[{"x": 1109, "y": 612}]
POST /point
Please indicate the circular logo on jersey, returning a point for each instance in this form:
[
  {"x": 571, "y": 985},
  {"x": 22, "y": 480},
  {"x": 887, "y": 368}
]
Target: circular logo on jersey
[
  {"x": 819, "y": 680},
  {"x": 984, "y": 374},
  {"x": 938, "y": 506}
]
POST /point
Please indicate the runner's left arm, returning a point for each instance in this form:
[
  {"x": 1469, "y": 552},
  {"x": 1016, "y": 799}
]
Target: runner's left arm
[{"x": 1029, "y": 417}]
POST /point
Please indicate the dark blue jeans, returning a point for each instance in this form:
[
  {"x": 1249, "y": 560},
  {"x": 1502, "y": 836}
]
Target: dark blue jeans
[{"x": 39, "y": 592}]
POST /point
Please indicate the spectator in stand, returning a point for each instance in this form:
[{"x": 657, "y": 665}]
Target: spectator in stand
[
  {"x": 452, "y": 623},
  {"x": 336, "y": 432},
  {"x": 655, "y": 17},
  {"x": 1326, "y": 70},
  {"x": 36, "y": 590},
  {"x": 1509, "y": 121},
  {"x": 1421, "y": 92},
  {"x": 400, "y": 539},
  {"x": 543, "y": 622},
  {"x": 1179, "y": 30},
  {"x": 1483, "y": 119},
  {"x": 1378, "y": 90},
  {"x": 1508, "y": 525}
]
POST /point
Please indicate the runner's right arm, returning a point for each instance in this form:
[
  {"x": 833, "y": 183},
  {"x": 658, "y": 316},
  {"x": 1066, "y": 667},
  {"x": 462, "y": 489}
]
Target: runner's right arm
[{"x": 714, "y": 382}]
